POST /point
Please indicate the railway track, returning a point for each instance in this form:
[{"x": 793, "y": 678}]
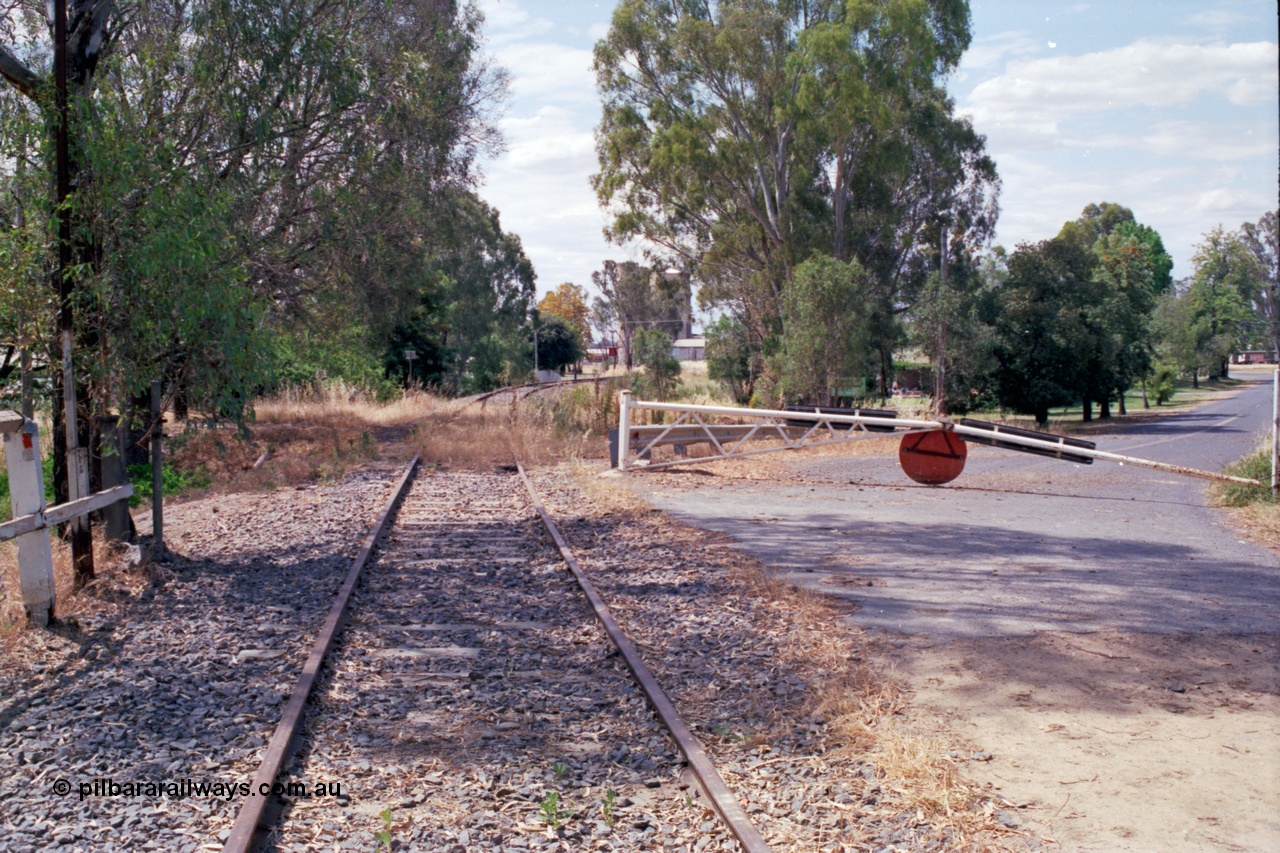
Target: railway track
[{"x": 479, "y": 699}]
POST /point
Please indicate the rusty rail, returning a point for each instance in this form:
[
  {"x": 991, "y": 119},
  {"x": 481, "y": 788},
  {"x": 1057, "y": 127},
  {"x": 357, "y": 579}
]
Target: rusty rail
[
  {"x": 722, "y": 799},
  {"x": 247, "y": 830}
]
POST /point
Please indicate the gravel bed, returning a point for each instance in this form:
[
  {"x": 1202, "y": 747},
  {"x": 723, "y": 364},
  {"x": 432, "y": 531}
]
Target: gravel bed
[
  {"x": 749, "y": 672},
  {"x": 472, "y": 683},
  {"x": 180, "y": 678}
]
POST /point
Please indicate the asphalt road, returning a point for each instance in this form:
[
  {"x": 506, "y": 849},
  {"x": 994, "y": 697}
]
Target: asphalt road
[{"x": 1018, "y": 544}]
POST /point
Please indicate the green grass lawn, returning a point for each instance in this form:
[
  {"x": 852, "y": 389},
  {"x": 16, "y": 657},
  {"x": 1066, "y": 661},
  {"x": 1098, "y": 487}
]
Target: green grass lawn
[{"x": 1184, "y": 396}]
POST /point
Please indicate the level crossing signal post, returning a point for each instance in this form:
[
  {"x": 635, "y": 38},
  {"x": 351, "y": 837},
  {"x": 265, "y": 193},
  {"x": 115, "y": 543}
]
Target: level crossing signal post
[
  {"x": 26, "y": 490},
  {"x": 31, "y": 520}
]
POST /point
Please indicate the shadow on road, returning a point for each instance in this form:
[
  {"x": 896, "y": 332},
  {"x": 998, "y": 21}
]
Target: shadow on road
[{"x": 964, "y": 580}]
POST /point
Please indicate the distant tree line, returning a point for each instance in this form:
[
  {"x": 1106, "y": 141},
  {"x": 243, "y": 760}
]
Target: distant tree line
[{"x": 1093, "y": 313}]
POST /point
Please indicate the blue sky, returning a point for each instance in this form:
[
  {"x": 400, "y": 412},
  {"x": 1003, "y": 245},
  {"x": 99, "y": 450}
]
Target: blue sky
[{"x": 1169, "y": 107}]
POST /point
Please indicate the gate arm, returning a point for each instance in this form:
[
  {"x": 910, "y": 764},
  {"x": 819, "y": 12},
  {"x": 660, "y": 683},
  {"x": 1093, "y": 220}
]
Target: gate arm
[{"x": 64, "y": 512}]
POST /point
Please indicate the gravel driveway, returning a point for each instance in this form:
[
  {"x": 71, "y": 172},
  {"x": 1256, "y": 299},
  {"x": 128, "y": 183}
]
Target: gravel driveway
[
  {"x": 1106, "y": 637},
  {"x": 1017, "y": 544}
]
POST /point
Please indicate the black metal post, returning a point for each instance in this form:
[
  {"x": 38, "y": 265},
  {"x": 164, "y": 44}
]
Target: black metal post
[
  {"x": 157, "y": 472},
  {"x": 111, "y": 461},
  {"x": 76, "y": 460}
]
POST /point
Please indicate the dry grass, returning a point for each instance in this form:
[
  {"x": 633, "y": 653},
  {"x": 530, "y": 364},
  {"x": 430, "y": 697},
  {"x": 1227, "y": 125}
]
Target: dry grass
[
  {"x": 1253, "y": 510},
  {"x": 869, "y": 710},
  {"x": 1260, "y": 522},
  {"x": 339, "y": 404},
  {"x": 321, "y": 433},
  {"x": 110, "y": 580}
]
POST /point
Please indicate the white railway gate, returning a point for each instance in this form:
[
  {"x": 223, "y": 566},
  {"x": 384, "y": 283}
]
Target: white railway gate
[
  {"x": 726, "y": 430},
  {"x": 32, "y": 518}
]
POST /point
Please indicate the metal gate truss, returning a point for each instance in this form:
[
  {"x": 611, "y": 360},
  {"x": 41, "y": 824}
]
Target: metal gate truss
[
  {"x": 728, "y": 439},
  {"x": 792, "y": 429},
  {"x": 795, "y": 429}
]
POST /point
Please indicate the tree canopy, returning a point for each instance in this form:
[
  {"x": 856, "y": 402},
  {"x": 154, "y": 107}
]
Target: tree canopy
[
  {"x": 569, "y": 302},
  {"x": 745, "y": 137},
  {"x": 240, "y": 168}
]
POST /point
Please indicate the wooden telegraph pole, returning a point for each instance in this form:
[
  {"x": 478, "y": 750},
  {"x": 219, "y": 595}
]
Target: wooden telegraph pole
[
  {"x": 77, "y": 458},
  {"x": 1275, "y": 433}
]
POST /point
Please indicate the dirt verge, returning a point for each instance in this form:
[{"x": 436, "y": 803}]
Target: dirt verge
[{"x": 1108, "y": 741}]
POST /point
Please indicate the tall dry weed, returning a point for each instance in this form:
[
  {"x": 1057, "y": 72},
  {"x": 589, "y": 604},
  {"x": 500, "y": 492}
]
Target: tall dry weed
[
  {"x": 68, "y": 601},
  {"x": 338, "y": 404}
]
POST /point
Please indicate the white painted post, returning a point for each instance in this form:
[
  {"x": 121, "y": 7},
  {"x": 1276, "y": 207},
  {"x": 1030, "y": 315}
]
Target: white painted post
[
  {"x": 624, "y": 428},
  {"x": 26, "y": 490},
  {"x": 1275, "y": 433}
]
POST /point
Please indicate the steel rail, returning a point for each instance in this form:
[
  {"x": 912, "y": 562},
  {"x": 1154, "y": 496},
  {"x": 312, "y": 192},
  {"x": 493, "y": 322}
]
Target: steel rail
[
  {"x": 722, "y": 799},
  {"x": 247, "y": 831}
]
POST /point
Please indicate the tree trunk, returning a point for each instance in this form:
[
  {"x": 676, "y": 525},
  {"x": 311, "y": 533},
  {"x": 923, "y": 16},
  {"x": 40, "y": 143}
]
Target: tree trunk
[
  {"x": 1087, "y": 410},
  {"x": 1104, "y": 406},
  {"x": 1123, "y": 410},
  {"x": 886, "y": 364},
  {"x": 940, "y": 363},
  {"x": 840, "y": 204},
  {"x": 1042, "y": 417},
  {"x": 1195, "y": 379},
  {"x": 1145, "y": 404}
]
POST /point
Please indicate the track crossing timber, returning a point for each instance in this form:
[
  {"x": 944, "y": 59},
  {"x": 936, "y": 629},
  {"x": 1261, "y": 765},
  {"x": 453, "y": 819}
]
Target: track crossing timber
[{"x": 473, "y": 699}]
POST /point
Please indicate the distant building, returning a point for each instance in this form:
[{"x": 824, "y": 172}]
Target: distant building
[
  {"x": 689, "y": 349},
  {"x": 605, "y": 351},
  {"x": 1255, "y": 356}
]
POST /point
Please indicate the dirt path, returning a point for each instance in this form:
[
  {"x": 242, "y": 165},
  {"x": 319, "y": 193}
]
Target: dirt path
[
  {"x": 1116, "y": 741},
  {"x": 1103, "y": 646}
]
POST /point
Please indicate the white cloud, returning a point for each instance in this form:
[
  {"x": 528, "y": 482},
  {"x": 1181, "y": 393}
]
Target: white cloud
[
  {"x": 990, "y": 52},
  {"x": 1184, "y": 134},
  {"x": 547, "y": 71},
  {"x": 552, "y": 136},
  {"x": 540, "y": 184},
  {"x": 1179, "y": 198},
  {"x": 1037, "y": 95},
  {"x": 507, "y": 18},
  {"x": 1216, "y": 20},
  {"x": 1181, "y": 139}
]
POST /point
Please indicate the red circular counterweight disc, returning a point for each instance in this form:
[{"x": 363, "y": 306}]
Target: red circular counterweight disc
[{"x": 932, "y": 458}]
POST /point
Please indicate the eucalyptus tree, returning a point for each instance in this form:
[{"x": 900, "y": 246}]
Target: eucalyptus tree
[
  {"x": 637, "y": 297},
  {"x": 1132, "y": 270},
  {"x": 1224, "y": 285},
  {"x": 1262, "y": 240},
  {"x": 746, "y": 136},
  {"x": 486, "y": 287}
]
